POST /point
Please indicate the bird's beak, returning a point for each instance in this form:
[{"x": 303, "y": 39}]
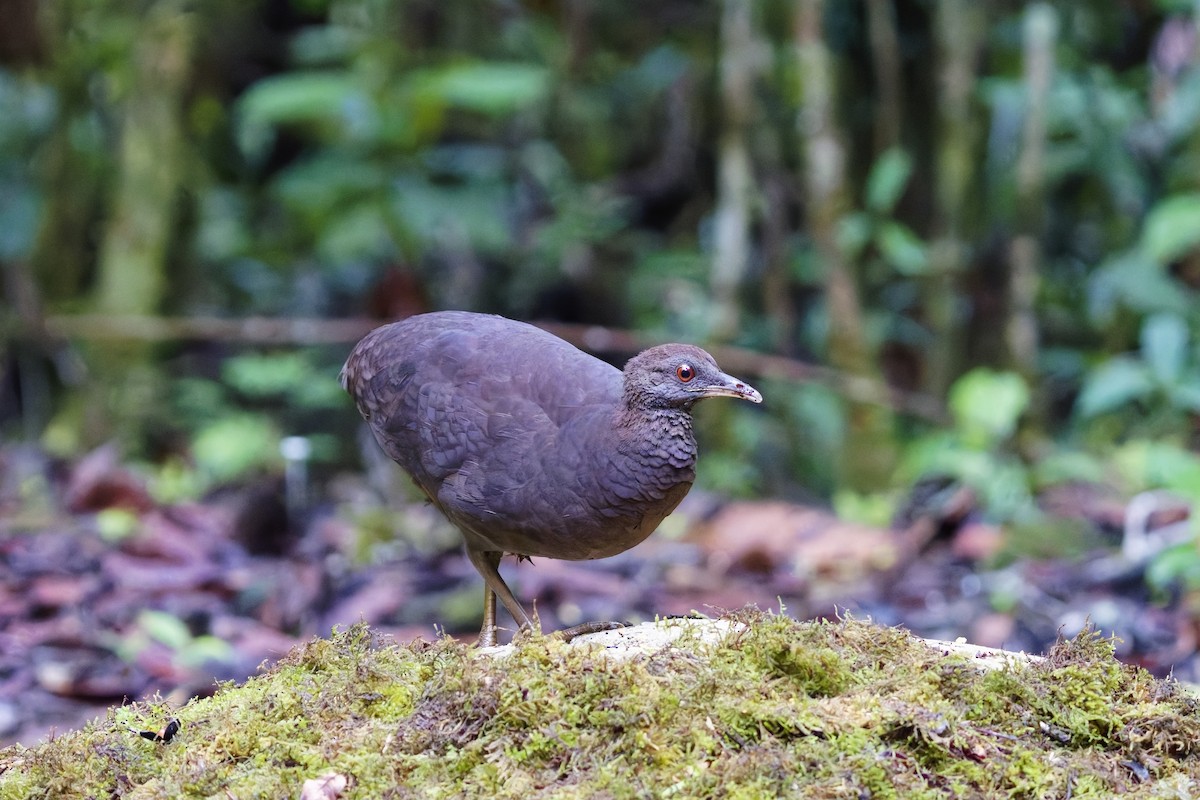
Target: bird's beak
[{"x": 729, "y": 386}]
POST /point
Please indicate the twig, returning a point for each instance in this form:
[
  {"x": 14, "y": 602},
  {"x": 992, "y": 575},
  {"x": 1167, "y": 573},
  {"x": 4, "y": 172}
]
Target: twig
[
  {"x": 246, "y": 330},
  {"x": 596, "y": 339}
]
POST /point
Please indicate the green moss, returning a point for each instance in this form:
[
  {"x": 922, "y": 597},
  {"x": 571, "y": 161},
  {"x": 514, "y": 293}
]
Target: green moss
[{"x": 777, "y": 708}]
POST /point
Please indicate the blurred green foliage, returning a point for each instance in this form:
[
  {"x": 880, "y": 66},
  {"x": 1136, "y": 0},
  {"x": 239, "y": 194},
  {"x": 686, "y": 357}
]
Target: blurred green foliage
[
  {"x": 199, "y": 653},
  {"x": 562, "y": 160},
  {"x": 899, "y": 249},
  {"x": 979, "y": 450},
  {"x": 1159, "y": 388},
  {"x": 236, "y": 420}
]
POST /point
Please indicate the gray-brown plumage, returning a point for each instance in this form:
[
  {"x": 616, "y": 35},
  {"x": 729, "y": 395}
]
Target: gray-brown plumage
[{"x": 529, "y": 445}]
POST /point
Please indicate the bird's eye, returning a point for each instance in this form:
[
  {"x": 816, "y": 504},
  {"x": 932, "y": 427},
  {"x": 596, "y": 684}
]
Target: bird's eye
[{"x": 685, "y": 372}]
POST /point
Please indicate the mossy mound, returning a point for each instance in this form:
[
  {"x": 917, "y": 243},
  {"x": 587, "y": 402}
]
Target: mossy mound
[{"x": 775, "y": 708}]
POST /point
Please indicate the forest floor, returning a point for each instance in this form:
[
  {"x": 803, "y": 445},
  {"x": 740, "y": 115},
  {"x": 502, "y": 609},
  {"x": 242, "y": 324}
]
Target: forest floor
[{"x": 108, "y": 596}]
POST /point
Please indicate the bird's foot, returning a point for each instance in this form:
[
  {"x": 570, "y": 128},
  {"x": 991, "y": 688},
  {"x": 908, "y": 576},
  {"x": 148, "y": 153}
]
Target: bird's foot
[
  {"x": 567, "y": 634},
  {"x": 527, "y": 632},
  {"x": 489, "y": 635}
]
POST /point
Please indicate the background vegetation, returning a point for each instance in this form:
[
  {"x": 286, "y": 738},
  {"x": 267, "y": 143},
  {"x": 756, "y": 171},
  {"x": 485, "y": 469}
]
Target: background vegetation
[{"x": 980, "y": 221}]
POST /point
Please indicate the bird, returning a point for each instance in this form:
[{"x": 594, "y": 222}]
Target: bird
[{"x": 528, "y": 445}]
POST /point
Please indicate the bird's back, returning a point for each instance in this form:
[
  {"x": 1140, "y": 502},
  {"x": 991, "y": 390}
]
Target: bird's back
[{"x": 502, "y": 357}]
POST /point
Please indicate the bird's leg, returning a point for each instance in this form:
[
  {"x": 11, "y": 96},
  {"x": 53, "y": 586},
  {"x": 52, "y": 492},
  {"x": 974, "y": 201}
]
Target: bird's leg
[
  {"x": 487, "y": 634},
  {"x": 487, "y": 563}
]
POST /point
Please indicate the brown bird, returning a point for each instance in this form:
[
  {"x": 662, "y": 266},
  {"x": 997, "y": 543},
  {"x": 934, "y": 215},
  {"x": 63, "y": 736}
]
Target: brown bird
[{"x": 528, "y": 445}]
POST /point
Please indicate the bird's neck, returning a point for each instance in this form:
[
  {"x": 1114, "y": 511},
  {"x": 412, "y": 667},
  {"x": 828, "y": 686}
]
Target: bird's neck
[{"x": 657, "y": 438}]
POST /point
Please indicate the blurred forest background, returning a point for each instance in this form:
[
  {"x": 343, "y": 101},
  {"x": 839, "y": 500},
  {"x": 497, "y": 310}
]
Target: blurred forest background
[{"x": 955, "y": 244}]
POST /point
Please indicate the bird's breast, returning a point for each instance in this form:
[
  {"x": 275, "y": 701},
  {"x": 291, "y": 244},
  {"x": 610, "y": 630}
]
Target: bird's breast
[{"x": 652, "y": 469}]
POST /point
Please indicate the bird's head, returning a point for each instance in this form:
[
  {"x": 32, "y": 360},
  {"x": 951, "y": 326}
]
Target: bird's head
[{"x": 677, "y": 375}]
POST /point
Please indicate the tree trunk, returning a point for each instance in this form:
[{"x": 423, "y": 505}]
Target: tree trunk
[
  {"x": 1025, "y": 253},
  {"x": 889, "y": 75},
  {"x": 735, "y": 179},
  {"x": 132, "y": 269},
  {"x": 73, "y": 177},
  {"x": 959, "y": 31},
  {"x": 869, "y": 454}
]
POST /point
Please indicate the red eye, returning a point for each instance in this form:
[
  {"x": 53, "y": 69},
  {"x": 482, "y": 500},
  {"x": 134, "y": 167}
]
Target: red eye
[{"x": 685, "y": 372}]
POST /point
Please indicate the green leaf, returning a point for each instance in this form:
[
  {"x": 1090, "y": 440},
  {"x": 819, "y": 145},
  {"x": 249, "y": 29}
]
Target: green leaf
[
  {"x": 297, "y": 97},
  {"x": 490, "y": 88},
  {"x": 1175, "y": 565},
  {"x": 1164, "y": 346},
  {"x": 477, "y": 212},
  {"x": 1113, "y": 384},
  {"x": 176, "y": 481},
  {"x": 932, "y": 454},
  {"x": 205, "y": 651},
  {"x": 853, "y": 233},
  {"x": 261, "y": 376},
  {"x": 1172, "y": 228},
  {"x": 887, "y": 180},
  {"x": 165, "y": 628},
  {"x": 330, "y": 98},
  {"x": 987, "y": 404},
  {"x": 235, "y": 445},
  {"x": 1004, "y": 489},
  {"x": 870, "y": 509},
  {"x": 319, "y": 45},
  {"x": 1186, "y": 395},
  {"x": 1068, "y": 467},
  {"x": 818, "y": 412},
  {"x": 1147, "y": 464},
  {"x": 18, "y": 223},
  {"x": 291, "y": 376},
  {"x": 1132, "y": 280},
  {"x": 902, "y": 249},
  {"x": 360, "y": 232},
  {"x": 323, "y": 186},
  {"x": 115, "y": 524}
]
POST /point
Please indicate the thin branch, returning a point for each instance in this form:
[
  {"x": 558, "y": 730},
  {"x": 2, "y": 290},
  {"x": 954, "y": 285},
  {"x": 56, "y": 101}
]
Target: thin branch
[
  {"x": 245, "y": 330},
  {"x": 593, "y": 338}
]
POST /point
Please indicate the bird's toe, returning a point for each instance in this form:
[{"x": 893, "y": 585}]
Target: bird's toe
[{"x": 567, "y": 634}]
